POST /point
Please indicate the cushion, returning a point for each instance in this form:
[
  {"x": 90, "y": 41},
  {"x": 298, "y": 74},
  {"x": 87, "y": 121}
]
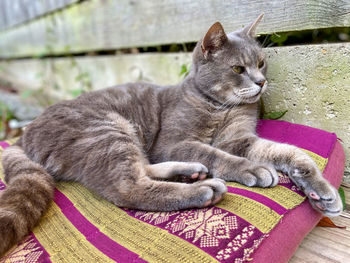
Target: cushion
[{"x": 249, "y": 224}]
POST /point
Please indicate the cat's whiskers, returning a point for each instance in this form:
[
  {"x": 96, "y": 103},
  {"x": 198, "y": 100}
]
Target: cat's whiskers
[
  {"x": 248, "y": 92},
  {"x": 228, "y": 103},
  {"x": 236, "y": 103},
  {"x": 224, "y": 104},
  {"x": 267, "y": 37}
]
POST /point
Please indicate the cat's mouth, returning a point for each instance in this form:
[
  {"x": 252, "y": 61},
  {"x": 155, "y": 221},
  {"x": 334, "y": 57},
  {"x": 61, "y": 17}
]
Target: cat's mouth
[
  {"x": 256, "y": 95},
  {"x": 259, "y": 92},
  {"x": 250, "y": 97},
  {"x": 252, "y": 93}
]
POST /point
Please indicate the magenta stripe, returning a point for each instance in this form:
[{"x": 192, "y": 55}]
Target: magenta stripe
[
  {"x": 102, "y": 242},
  {"x": 4, "y": 144},
  {"x": 259, "y": 198}
]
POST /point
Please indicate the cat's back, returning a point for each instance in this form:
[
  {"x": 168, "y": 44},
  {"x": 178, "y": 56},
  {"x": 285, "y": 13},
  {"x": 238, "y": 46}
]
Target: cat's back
[{"x": 93, "y": 115}]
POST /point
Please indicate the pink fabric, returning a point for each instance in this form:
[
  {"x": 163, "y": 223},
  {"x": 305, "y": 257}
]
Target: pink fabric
[
  {"x": 285, "y": 238},
  {"x": 314, "y": 140},
  {"x": 4, "y": 144}
]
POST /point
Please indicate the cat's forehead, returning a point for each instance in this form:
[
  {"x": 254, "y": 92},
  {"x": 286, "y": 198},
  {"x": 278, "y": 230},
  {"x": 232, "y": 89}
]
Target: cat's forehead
[{"x": 244, "y": 49}]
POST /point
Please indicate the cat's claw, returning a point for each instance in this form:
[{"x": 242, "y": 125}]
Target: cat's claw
[{"x": 200, "y": 176}]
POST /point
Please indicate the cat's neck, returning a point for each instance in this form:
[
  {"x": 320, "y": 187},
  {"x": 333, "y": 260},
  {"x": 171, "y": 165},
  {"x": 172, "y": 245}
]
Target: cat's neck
[{"x": 190, "y": 89}]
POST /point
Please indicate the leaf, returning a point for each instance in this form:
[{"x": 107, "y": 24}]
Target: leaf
[
  {"x": 275, "y": 115},
  {"x": 327, "y": 222},
  {"x": 76, "y": 92},
  {"x": 342, "y": 196},
  {"x": 183, "y": 69}
]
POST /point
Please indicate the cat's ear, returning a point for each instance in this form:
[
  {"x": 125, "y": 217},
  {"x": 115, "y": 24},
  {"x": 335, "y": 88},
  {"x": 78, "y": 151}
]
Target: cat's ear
[
  {"x": 214, "y": 39},
  {"x": 250, "y": 30}
]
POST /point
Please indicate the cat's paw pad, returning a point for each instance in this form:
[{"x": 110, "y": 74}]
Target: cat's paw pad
[
  {"x": 211, "y": 191},
  {"x": 262, "y": 176},
  {"x": 324, "y": 198},
  {"x": 321, "y": 194}
]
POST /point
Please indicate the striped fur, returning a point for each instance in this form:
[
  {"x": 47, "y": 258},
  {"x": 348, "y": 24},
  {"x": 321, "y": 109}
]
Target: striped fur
[{"x": 26, "y": 198}]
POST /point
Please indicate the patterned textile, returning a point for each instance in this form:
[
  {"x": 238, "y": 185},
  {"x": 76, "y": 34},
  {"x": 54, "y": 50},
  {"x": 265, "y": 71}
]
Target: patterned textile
[{"x": 82, "y": 227}]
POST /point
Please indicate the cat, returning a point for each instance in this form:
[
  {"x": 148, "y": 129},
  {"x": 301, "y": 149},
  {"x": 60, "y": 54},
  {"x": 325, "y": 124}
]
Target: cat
[{"x": 130, "y": 143}]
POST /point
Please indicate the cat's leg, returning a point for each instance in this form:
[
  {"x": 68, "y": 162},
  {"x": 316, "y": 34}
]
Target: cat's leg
[
  {"x": 224, "y": 165},
  {"x": 115, "y": 167},
  {"x": 301, "y": 169},
  {"x": 169, "y": 170},
  {"x": 130, "y": 185}
]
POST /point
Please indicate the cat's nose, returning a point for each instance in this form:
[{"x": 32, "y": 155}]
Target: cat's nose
[{"x": 260, "y": 83}]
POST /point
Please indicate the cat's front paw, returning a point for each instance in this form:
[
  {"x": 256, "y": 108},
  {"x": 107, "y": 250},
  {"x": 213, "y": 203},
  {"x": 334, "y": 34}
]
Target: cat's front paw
[
  {"x": 260, "y": 175},
  {"x": 325, "y": 198},
  {"x": 322, "y": 195},
  {"x": 209, "y": 192}
]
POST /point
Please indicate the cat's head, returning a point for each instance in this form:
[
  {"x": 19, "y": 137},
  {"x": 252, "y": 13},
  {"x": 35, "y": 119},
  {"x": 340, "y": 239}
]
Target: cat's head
[{"x": 230, "y": 68}]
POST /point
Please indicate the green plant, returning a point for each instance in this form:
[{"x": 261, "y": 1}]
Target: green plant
[
  {"x": 185, "y": 70},
  {"x": 342, "y": 196},
  {"x": 272, "y": 115}
]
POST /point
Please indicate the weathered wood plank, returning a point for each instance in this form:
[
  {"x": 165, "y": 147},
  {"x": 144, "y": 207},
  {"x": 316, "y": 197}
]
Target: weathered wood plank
[
  {"x": 15, "y": 12},
  {"x": 111, "y": 24},
  {"x": 325, "y": 245},
  {"x": 312, "y": 82}
]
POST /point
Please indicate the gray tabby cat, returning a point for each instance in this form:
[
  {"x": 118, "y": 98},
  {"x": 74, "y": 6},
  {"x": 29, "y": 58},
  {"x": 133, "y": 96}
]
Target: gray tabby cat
[{"x": 129, "y": 143}]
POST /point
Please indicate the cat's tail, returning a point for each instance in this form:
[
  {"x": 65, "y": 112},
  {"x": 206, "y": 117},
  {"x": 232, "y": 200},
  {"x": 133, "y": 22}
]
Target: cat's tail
[{"x": 26, "y": 198}]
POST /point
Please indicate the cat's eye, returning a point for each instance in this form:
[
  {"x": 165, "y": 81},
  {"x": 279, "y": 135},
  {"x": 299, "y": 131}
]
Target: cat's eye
[
  {"x": 261, "y": 64},
  {"x": 238, "y": 69}
]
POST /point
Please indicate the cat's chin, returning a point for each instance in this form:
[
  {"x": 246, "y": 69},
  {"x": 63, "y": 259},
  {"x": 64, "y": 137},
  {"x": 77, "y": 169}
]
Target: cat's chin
[{"x": 252, "y": 99}]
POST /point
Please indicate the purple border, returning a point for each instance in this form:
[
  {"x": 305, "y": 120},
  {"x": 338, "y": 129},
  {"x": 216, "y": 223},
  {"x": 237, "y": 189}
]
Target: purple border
[
  {"x": 314, "y": 140},
  {"x": 296, "y": 224}
]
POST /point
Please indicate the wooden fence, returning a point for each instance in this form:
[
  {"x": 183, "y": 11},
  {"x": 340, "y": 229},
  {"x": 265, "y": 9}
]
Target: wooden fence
[{"x": 311, "y": 81}]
